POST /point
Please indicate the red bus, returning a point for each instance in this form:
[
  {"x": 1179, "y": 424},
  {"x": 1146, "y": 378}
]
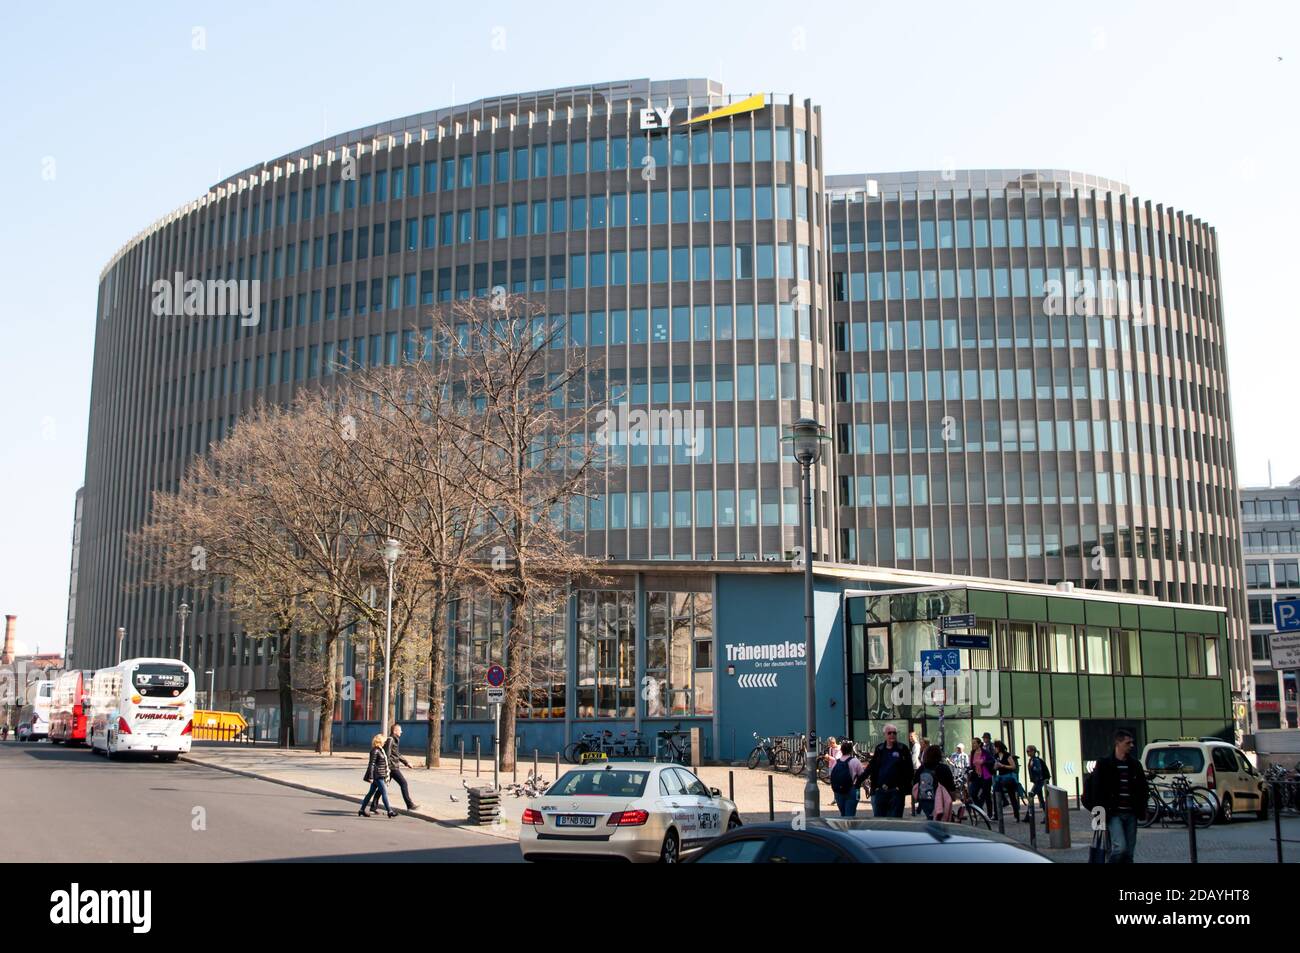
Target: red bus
[{"x": 69, "y": 707}]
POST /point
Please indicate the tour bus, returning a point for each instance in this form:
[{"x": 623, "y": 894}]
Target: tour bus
[
  {"x": 69, "y": 707},
  {"x": 37, "y": 712},
  {"x": 144, "y": 706}
]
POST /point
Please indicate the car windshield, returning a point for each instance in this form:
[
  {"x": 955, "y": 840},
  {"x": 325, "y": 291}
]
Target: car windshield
[
  {"x": 1180, "y": 760},
  {"x": 601, "y": 783}
]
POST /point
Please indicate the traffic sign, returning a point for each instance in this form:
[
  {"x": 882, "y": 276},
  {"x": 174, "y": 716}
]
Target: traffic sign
[
  {"x": 966, "y": 641},
  {"x": 496, "y": 676},
  {"x": 940, "y": 663},
  {"x": 1284, "y": 647},
  {"x": 1286, "y": 615},
  {"x": 495, "y": 695},
  {"x": 965, "y": 621}
]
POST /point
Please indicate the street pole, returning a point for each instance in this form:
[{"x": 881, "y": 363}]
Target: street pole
[
  {"x": 184, "y": 613},
  {"x": 121, "y": 635},
  {"x": 391, "y": 551},
  {"x": 811, "y": 799},
  {"x": 212, "y": 689}
]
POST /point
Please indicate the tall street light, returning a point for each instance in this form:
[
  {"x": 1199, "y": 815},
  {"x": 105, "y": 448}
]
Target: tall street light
[
  {"x": 806, "y": 438},
  {"x": 392, "y": 550},
  {"x": 212, "y": 688},
  {"x": 184, "y": 612}
]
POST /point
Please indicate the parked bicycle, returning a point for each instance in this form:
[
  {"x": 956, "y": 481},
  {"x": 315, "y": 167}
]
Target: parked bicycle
[
  {"x": 673, "y": 746},
  {"x": 1176, "y": 800},
  {"x": 588, "y": 742},
  {"x": 964, "y": 809},
  {"x": 765, "y": 749}
]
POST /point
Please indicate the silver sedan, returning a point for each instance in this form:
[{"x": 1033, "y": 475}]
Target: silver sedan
[{"x": 636, "y": 811}]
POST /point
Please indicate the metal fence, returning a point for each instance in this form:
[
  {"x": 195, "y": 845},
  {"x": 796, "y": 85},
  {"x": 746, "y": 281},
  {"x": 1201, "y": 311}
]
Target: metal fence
[{"x": 230, "y": 736}]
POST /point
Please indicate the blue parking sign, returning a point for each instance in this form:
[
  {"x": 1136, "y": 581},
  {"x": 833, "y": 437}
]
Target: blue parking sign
[{"x": 1286, "y": 615}]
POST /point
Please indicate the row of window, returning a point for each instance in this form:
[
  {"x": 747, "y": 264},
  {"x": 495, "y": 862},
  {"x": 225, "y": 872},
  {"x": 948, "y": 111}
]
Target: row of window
[
  {"x": 1272, "y": 541},
  {"x": 1270, "y": 509},
  {"x": 719, "y": 145},
  {"x": 888, "y": 226},
  {"x": 1006, "y": 383},
  {"x": 1286, "y": 575}
]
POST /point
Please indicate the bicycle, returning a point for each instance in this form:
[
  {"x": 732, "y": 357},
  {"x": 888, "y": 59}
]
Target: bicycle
[
  {"x": 777, "y": 755},
  {"x": 965, "y": 810},
  {"x": 589, "y": 741},
  {"x": 669, "y": 750},
  {"x": 1177, "y": 800}
]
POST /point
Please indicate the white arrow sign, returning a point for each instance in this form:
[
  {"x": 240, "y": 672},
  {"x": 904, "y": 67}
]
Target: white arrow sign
[{"x": 761, "y": 680}]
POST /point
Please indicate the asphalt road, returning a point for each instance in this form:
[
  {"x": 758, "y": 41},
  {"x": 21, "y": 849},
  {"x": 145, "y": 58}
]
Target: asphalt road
[{"x": 67, "y": 805}]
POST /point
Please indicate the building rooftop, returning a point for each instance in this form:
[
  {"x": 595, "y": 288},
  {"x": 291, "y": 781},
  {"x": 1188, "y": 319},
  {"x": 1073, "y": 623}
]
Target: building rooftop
[{"x": 940, "y": 180}]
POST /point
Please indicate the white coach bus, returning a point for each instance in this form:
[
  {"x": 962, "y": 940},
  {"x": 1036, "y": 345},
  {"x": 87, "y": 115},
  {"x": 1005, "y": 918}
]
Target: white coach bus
[{"x": 144, "y": 706}]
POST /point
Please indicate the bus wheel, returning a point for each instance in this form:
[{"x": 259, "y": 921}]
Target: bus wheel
[{"x": 168, "y": 757}]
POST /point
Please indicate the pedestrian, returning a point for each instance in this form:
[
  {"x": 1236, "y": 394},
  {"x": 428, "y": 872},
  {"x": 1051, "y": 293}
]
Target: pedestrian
[
  {"x": 935, "y": 787},
  {"x": 1039, "y": 775},
  {"x": 1007, "y": 780},
  {"x": 981, "y": 774},
  {"x": 377, "y": 773},
  {"x": 915, "y": 744},
  {"x": 959, "y": 761},
  {"x": 890, "y": 775},
  {"x": 1118, "y": 785},
  {"x": 846, "y": 775},
  {"x": 395, "y": 764}
]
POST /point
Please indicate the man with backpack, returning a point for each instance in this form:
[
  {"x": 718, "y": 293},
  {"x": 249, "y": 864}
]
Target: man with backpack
[
  {"x": 846, "y": 774},
  {"x": 890, "y": 773},
  {"x": 1039, "y": 775}
]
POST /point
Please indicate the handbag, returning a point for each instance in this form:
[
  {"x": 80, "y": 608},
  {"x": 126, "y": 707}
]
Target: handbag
[{"x": 1099, "y": 852}]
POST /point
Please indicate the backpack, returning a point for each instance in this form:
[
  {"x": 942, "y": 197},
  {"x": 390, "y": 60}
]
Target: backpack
[
  {"x": 925, "y": 785},
  {"x": 1045, "y": 773},
  {"x": 842, "y": 777}
]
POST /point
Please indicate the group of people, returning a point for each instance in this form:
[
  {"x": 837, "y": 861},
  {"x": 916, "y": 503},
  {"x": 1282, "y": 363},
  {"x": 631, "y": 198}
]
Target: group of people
[
  {"x": 896, "y": 768},
  {"x": 385, "y": 764}
]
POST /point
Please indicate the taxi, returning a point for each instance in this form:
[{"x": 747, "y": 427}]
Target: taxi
[{"x": 637, "y": 811}]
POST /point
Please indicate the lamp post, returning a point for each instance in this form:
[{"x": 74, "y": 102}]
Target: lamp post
[
  {"x": 806, "y": 439},
  {"x": 392, "y": 550},
  {"x": 184, "y": 612},
  {"x": 212, "y": 688},
  {"x": 121, "y": 635}
]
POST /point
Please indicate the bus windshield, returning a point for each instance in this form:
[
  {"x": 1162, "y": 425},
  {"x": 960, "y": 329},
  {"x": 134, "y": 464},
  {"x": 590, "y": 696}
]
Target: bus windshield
[{"x": 153, "y": 679}]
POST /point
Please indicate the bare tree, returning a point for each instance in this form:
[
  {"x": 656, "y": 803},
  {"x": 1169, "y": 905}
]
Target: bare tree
[{"x": 522, "y": 431}]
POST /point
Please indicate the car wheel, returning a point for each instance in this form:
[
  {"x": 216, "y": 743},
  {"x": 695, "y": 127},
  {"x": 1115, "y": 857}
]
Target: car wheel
[
  {"x": 1225, "y": 809},
  {"x": 733, "y": 822},
  {"x": 670, "y": 852}
]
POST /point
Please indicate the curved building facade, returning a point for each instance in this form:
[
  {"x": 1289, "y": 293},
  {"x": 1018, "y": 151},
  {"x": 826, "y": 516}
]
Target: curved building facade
[{"x": 689, "y": 242}]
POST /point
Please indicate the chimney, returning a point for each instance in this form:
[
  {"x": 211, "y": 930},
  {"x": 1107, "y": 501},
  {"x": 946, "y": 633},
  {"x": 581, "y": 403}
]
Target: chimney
[{"x": 7, "y": 656}]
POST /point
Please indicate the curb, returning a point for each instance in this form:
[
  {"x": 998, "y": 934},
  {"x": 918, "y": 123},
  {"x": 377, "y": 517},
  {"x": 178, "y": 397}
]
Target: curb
[{"x": 417, "y": 815}]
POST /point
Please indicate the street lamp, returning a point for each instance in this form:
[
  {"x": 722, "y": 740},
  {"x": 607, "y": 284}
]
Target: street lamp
[
  {"x": 806, "y": 439},
  {"x": 212, "y": 688},
  {"x": 392, "y": 550},
  {"x": 184, "y": 612}
]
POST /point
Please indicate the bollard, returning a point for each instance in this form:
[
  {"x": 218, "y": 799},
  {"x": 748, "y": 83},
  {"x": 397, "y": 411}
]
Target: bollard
[
  {"x": 535, "y": 774},
  {"x": 1078, "y": 796},
  {"x": 1057, "y": 818},
  {"x": 462, "y": 756},
  {"x": 557, "y": 766},
  {"x": 771, "y": 800},
  {"x": 1278, "y": 801},
  {"x": 478, "y": 754},
  {"x": 1191, "y": 826},
  {"x": 731, "y": 785},
  {"x": 997, "y": 803},
  {"x": 1033, "y": 833}
]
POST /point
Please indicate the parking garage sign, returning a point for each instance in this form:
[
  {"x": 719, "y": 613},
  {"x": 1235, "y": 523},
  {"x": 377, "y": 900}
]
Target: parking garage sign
[
  {"x": 1286, "y": 615},
  {"x": 1285, "y": 650}
]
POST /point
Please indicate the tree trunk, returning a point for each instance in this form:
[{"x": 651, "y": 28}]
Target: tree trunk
[
  {"x": 284, "y": 675},
  {"x": 437, "y": 672},
  {"x": 325, "y": 741},
  {"x": 514, "y": 678}
]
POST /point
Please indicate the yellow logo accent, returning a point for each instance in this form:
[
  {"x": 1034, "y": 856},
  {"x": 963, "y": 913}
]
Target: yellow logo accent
[{"x": 744, "y": 106}]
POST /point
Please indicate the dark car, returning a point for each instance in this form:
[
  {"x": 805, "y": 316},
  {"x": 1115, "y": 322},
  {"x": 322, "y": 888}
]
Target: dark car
[{"x": 841, "y": 840}]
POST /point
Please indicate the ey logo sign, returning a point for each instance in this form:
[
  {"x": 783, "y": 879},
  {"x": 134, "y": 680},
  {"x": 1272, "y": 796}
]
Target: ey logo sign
[{"x": 655, "y": 117}]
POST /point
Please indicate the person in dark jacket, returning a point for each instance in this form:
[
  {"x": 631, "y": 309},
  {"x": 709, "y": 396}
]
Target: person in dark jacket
[
  {"x": 377, "y": 773},
  {"x": 934, "y": 774},
  {"x": 1039, "y": 775},
  {"x": 395, "y": 764},
  {"x": 1118, "y": 785},
  {"x": 890, "y": 773}
]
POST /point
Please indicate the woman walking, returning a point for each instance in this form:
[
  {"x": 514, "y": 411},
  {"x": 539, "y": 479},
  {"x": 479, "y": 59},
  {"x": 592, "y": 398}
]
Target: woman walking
[
  {"x": 378, "y": 771},
  {"x": 935, "y": 786}
]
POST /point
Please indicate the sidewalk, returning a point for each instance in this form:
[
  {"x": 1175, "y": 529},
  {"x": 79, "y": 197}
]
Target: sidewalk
[{"x": 442, "y": 797}]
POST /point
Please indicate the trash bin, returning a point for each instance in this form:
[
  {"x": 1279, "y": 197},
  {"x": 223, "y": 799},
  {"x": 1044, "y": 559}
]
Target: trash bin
[{"x": 1058, "y": 816}]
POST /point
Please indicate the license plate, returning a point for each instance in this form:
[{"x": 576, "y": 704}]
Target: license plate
[
  {"x": 575, "y": 820},
  {"x": 158, "y": 734}
]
